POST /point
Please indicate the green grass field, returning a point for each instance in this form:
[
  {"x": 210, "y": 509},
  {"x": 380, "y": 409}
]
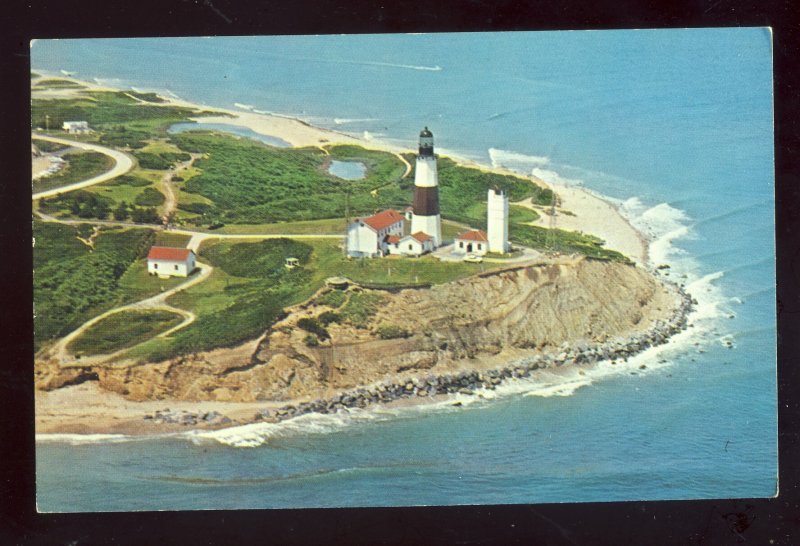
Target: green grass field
[
  {"x": 80, "y": 166},
  {"x": 122, "y": 330}
]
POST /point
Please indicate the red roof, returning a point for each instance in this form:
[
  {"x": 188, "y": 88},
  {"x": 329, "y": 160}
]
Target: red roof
[
  {"x": 473, "y": 235},
  {"x": 384, "y": 219},
  {"x": 168, "y": 254},
  {"x": 421, "y": 237},
  {"x": 393, "y": 239}
]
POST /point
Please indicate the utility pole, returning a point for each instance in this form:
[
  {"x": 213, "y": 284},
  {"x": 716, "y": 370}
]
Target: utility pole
[{"x": 47, "y": 122}]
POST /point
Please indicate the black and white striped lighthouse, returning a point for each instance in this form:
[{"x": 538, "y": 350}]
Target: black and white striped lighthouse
[{"x": 426, "y": 216}]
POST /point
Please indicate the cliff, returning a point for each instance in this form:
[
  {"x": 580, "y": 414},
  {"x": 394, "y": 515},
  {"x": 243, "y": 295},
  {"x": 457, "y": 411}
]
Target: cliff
[{"x": 471, "y": 324}]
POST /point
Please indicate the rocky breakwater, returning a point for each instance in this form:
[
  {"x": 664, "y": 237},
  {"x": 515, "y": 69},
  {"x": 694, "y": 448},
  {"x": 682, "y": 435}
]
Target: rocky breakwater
[{"x": 472, "y": 382}]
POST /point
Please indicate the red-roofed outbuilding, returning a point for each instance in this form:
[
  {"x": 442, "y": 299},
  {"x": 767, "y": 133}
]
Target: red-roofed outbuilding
[
  {"x": 166, "y": 261},
  {"x": 473, "y": 241}
]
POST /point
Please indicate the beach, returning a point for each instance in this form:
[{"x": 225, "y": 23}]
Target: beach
[
  {"x": 87, "y": 409},
  {"x": 633, "y": 118}
]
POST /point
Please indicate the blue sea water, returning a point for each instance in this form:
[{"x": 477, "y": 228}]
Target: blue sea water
[{"x": 673, "y": 125}]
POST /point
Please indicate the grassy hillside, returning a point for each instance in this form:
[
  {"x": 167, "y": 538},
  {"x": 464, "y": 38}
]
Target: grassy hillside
[{"x": 72, "y": 282}]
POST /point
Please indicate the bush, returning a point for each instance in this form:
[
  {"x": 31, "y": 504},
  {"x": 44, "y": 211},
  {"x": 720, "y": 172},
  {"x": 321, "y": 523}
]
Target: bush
[
  {"x": 329, "y": 317},
  {"x": 311, "y": 340},
  {"x": 145, "y": 215},
  {"x": 129, "y": 180},
  {"x": 391, "y": 331},
  {"x": 334, "y": 298},
  {"x": 150, "y": 197},
  {"x": 80, "y": 203},
  {"x": 313, "y": 326},
  {"x": 361, "y": 307}
]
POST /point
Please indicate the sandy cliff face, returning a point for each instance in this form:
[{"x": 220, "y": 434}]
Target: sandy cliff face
[{"x": 456, "y": 326}]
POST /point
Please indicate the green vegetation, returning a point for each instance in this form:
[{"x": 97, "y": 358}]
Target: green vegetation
[
  {"x": 79, "y": 203},
  {"x": 160, "y": 161},
  {"x": 329, "y": 317},
  {"x": 247, "y": 182},
  {"x": 47, "y": 146},
  {"x": 247, "y": 292},
  {"x": 59, "y": 84},
  {"x": 328, "y": 260},
  {"x": 150, "y": 197},
  {"x": 391, "y": 331},
  {"x": 128, "y": 180},
  {"x": 563, "y": 241},
  {"x": 122, "y": 330},
  {"x": 80, "y": 166},
  {"x": 462, "y": 190},
  {"x": 147, "y": 97},
  {"x": 313, "y": 326},
  {"x": 360, "y": 307},
  {"x": 34, "y": 75},
  {"x": 327, "y": 226},
  {"x": 333, "y": 298},
  {"x": 176, "y": 240},
  {"x": 119, "y": 119},
  {"x": 72, "y": 282}
]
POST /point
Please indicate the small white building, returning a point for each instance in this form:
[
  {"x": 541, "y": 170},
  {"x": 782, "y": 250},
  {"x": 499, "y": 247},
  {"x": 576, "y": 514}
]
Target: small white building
[
  {"x": 415, "y": 244},
  {"x": 166, "y": 261},
  {"x": 474, "y": 241},
  {"x": 367, "y": 237},
  {"x": 76, "y": 127}
]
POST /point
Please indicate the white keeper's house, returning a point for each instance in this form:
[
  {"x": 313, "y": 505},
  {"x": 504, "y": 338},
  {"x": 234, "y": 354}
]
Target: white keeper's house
[
  {"x": 415, "y": 244},
  {"x": 474, "y": 241},
  {"x": 368, "y": 237},
  {"x": 166, "y": 261},
  {"x": 76, "y": 127}
]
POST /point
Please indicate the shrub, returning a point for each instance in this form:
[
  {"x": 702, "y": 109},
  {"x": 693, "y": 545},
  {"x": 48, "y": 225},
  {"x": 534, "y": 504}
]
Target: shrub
[
  {"x": 150, "y": 197},
  {"x": 329, "y": 317},
  {"x": 334, "y": 298},
  {"x": 313, "y": 326},
  {"x": 311, "y": 340},
  {"x": 391, "y": 331}
]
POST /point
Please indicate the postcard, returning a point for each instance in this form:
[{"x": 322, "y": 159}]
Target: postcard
[{"x": 403, "y": 269}]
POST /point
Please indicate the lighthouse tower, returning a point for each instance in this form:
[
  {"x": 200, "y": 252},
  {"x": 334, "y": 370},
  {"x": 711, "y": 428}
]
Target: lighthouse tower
[
  {"x": 426, "y": 216},
  {"x": 497, "y": 221}
]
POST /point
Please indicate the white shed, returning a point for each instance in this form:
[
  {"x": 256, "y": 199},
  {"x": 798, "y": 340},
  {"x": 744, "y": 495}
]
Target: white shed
[
  {"x": 474, "y": 241},
  {"x": 76, "y": 127},
  {"x": 166, "y": 261},
  {"x": 415, "y": 244}
]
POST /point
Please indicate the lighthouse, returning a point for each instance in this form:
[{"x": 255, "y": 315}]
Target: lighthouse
[{"x": 426, "y": 217}]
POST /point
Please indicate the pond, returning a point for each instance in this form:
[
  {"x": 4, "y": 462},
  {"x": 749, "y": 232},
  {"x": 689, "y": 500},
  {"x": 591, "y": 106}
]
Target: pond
[
  {"x": 349, "y": 170},
  {"x": 233, "y": 129}
]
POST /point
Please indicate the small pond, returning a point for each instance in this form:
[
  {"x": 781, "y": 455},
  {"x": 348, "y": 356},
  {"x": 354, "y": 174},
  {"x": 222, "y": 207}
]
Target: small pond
[
  {"x": 233, "y": 129},
  {"x": 349, "y": 170}
]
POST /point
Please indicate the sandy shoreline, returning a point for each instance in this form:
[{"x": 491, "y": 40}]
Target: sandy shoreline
[
  {"x": 589, "y": 213},
  {"x": 85, "y": 409}
]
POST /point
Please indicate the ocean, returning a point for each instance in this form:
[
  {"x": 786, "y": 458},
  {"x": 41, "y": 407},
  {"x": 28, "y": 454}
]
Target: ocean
[{"x": 675, "y": 126}]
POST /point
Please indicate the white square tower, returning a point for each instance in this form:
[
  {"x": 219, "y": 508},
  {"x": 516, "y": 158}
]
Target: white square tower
[{"x": 497, "y": 221}]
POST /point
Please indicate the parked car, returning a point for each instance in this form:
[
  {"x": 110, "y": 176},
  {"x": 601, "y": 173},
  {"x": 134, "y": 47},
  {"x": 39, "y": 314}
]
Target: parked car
[{"x": 473, "y": 259}]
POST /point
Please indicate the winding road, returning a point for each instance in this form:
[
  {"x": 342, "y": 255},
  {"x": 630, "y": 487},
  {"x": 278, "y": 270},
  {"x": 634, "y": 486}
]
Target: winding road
[
  {"x": 123, "y": 164},
  {"x": 157, "y": 302}
]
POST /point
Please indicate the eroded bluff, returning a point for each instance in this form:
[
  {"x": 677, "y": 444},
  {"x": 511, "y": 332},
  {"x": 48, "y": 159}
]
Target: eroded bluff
[{"x": 459, "y": 325}]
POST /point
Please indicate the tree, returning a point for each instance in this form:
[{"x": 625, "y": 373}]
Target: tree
[{"x": 121, "y": 212}]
